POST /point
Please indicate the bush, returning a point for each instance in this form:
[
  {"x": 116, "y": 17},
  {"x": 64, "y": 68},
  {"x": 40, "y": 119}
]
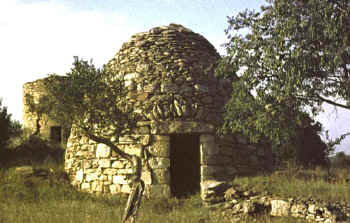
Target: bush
[
  {"x": 8, "y": 128},
  {"x": 340, "y": 160},
  {"x": 306, "y": 148},
  {"x": 37, "y": 151}
]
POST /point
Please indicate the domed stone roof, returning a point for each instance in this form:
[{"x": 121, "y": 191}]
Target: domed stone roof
[{"x": 169, "y": 71}]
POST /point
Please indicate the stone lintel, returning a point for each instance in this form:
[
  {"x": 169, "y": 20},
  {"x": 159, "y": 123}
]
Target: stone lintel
[{"x": 183, "y": 127}]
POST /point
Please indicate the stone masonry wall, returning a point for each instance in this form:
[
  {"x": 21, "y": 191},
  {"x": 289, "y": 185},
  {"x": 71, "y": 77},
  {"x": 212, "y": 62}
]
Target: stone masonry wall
[
  {"x": 37, "y": 90},
  {"x": 238, "y": 202},
  {"x": 169, "y": 74},
  {"x": 97, "y": 169}
]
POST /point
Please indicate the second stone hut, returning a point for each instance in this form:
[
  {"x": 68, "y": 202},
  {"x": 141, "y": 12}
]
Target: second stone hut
[{"x": 169, "y": 72}]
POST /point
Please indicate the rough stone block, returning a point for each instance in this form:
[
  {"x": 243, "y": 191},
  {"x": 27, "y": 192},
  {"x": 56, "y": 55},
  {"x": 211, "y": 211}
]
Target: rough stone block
[
  {"x": 97, "y": 186},
  {"x": 118, "y": 164},
  {"x": 106, "y": 189},
  {"x": 126, "y": 189},
  {"x": 208, "y": 145},
  {"x": 79, "y": 176},
  {"x": 227, "y": 150},
  {"x": 85, "y": 186},
  {"x": 126, "y": 171},
  {"x": 110, "y": 171},
  {"x": 260, "y": 152},
  {"x": 91, "y": 177},
  {"x": 120, "y": 179},
  {"x": 131, "y": 76},
  {"x": 146, "y": 140},
  {"x": 209, "y": 172},
  {"x": 161, "y": 138},
  {"x": 115, "y": 188},
  {"x": 146, "y": 176},
  {"x": 102, "y": 178},
  {"x": 105, "y": 163},
  {"x": 82, "y": 153},
  {"x": 211, "y": 188},
  {"x": 68, "y": 164},
  {"x": 298, "y": 210},
  {"x": 103, "y": 151},
  {"x": 279, "y": 208},
  {"x": 159, "y": 162},
  {"x": 158, "y": 191},
  {"x": 215, "y": 160},
  {"x": 84, "y": 148},
  {"x": 241, "y": 139},
  {"x": 160, "y": 148},
  {"x": 253, "y": 160},
  {"x": 134, "y": 150},
  {"x": 87, "y": 164},
  {"x": 161, "y": 176},
  {"x": 90, "y": 171},
  {"x": 143, "y": 130}
]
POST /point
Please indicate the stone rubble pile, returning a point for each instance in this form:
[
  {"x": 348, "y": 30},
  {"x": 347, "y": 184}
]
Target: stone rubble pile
[{"x": 234, "y": 203}]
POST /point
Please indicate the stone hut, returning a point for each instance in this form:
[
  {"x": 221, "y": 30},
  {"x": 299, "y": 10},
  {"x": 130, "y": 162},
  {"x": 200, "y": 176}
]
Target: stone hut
[
  {"x": 169, "y": 73},
  {"x": 48, "y": 129}
]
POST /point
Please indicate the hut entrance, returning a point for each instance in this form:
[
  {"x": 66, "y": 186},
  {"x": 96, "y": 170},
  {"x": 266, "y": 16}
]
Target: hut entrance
[
  {"x": 184, "y": 164},
  {"x": 55, "y": 133}
]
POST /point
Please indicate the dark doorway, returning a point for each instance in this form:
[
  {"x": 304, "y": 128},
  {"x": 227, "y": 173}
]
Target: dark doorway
[
  {"x": 184, "y": 164},
  {"x": 56, "y": 133}
]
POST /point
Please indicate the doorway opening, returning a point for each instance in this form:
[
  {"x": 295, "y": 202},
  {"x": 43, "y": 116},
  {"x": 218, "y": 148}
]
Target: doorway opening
[
  {"x": 184, "y": 164},
  {"x": 55, "y": 134}
]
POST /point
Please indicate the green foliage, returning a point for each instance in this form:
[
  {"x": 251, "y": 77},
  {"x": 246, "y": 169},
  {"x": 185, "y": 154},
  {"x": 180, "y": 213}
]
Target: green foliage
[
  {"x": 9, "y": 128},
  {"x": 32, "y": 150},
  {"x": 306, "y": 148},
  {"x": 290, "y": 57},
  {"x": 37, "y": 151},
  {"x": 92, "y": 99},
  {"x": 341, "y": 160}
]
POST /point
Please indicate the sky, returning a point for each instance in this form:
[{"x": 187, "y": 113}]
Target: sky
[{"x": 40, "y": 37}]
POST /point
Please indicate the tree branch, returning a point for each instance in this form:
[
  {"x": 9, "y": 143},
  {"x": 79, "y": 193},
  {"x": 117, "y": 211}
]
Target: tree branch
[
  {"x": 110, "y": 144},
  {"x": 333, "y": 103}
]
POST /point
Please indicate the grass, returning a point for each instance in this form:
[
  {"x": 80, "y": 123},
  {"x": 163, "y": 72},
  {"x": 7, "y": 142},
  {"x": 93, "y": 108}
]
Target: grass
[
  {"x": 302, "y": 183},
  {"x": 52, "y": 199}
]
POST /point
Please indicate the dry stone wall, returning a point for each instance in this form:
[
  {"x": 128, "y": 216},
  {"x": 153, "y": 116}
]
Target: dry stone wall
[
  {"x": 236, "y": 203},
  {"x": 169, "y": 73},
  {"x": 37, "y": 90},
  {"x": 97, "y": 169}
]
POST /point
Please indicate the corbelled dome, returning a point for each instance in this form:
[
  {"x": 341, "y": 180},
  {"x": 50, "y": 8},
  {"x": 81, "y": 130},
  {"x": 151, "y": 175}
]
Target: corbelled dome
[{"x": 169, "y": 72}]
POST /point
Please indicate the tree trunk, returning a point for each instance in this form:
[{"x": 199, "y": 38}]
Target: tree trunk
[{"x": 135, "y": 196}]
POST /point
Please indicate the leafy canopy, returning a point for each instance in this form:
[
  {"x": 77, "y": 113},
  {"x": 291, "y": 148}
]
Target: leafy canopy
[
  {"x": 8, "y": 127},
  {"x": 293, "y": 56},
  {"x": 93, "y": 100}
]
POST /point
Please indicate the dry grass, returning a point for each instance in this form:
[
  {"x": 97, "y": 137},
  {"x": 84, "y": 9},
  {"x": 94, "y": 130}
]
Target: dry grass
[{"x": 35, "y": 199}]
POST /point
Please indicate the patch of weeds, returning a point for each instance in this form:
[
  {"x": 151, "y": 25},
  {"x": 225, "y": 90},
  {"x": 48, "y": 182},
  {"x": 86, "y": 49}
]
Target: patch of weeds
[{"x": 164, "y": 205}]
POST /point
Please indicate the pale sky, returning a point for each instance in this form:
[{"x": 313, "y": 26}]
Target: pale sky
[{"x": 38, "y": 37}]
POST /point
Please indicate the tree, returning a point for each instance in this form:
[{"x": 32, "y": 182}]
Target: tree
[
  {"x": 341, "y": 160},
  {"x": 8, "y": 128},
  {"x": 93, "y": 100},
  {"x": 306, "y": 148},
  {"x": 40, "y": 108},
  {"x": 287, "y": 59}
]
